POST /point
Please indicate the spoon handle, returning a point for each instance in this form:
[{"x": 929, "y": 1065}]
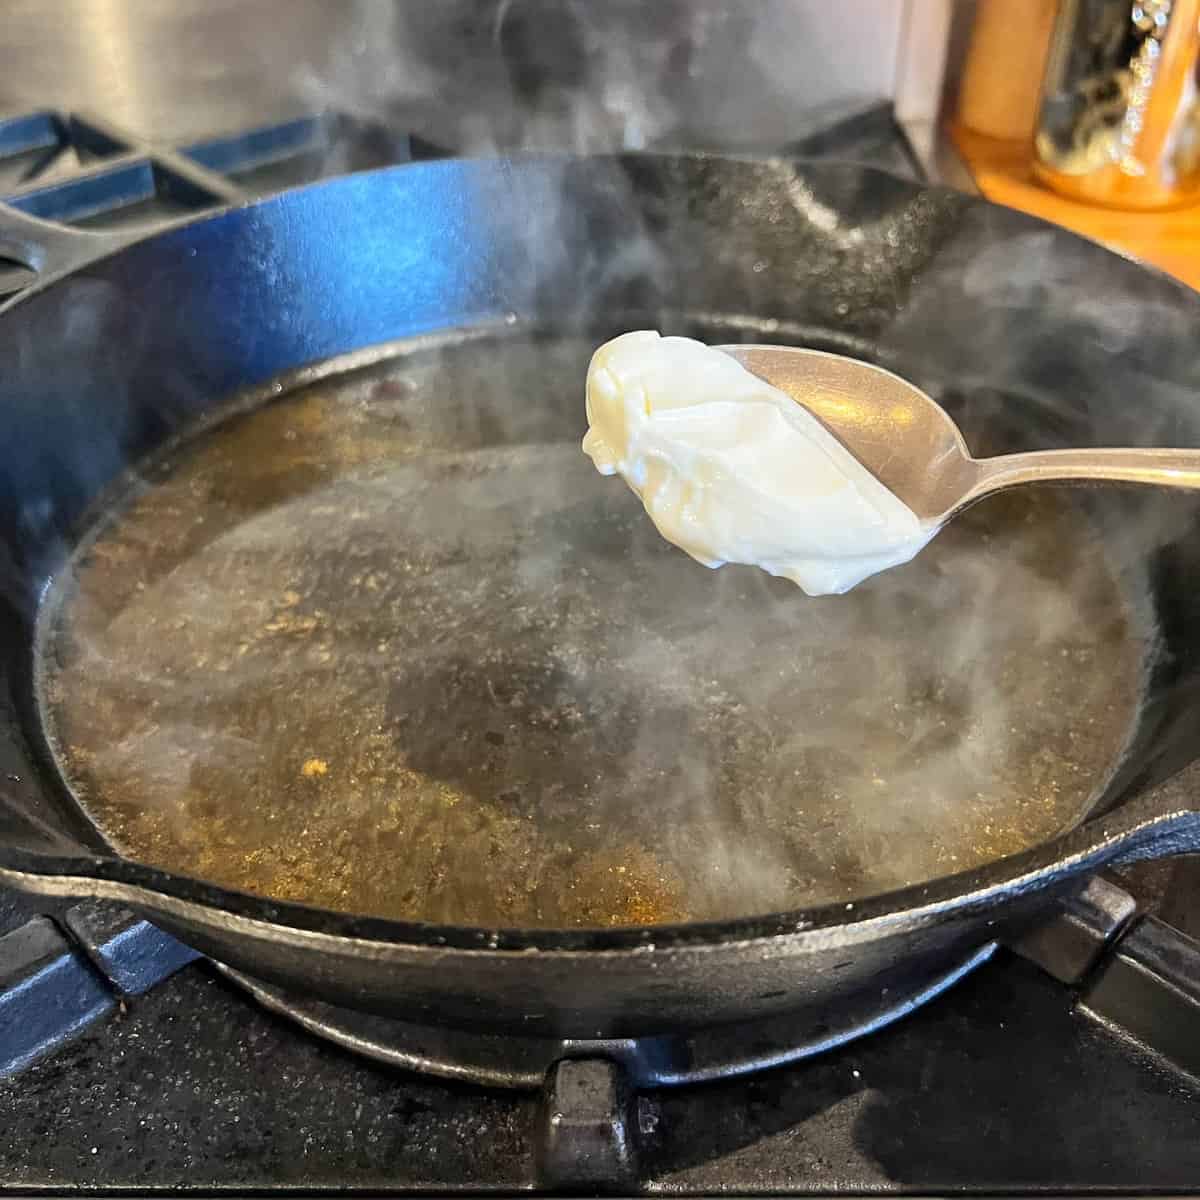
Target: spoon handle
[{"x": 1151, "y": 467}]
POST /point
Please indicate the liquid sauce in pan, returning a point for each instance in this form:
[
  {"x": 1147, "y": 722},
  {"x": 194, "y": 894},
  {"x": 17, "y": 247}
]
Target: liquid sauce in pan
[{"x": 390, "y": 645}]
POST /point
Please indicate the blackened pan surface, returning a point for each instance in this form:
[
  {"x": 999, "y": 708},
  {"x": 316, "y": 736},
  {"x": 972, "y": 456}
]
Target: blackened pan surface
[
  {"x": 1031, "y": 337},
  {"x": 389, "y": 645}
]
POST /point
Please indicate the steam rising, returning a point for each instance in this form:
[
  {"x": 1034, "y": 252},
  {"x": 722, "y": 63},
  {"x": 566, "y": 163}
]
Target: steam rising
[{"x": 589, "y": 77}]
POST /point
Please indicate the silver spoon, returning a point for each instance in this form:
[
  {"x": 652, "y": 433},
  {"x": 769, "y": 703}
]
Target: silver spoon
[{"x": 910, "y": 444}]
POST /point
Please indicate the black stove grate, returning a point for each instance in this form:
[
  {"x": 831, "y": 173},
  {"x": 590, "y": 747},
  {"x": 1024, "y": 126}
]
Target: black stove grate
[
  {"x": 76, "y": 169},
  {"x": 998, "y": 1086}
]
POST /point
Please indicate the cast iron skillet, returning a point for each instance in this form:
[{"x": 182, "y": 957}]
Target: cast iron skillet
[{"x": 1026, "y": 331}]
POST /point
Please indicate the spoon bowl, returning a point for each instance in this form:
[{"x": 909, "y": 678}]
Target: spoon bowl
[{"x": 913, "y": 447}]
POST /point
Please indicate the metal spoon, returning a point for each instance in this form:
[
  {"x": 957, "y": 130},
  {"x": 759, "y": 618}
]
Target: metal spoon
[{"x": 910, "y": 444}]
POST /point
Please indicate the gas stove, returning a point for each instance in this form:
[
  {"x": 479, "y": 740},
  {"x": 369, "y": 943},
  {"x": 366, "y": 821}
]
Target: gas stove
[
  {"x": 158, "y": 1073},
  {"x": 1068, "y": 1063}
]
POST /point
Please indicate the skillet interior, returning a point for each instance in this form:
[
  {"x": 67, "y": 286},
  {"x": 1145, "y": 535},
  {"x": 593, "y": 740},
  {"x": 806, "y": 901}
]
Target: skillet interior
[
  {"x": 390, "y": 646},
  {"x": 897, "y": 290}
]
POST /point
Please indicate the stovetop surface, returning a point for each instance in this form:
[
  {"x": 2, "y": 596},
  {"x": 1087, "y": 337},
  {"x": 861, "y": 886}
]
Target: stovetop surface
[
  {"x": 997, "y": 1086},
  {"x": 1000, "y": 1085}
]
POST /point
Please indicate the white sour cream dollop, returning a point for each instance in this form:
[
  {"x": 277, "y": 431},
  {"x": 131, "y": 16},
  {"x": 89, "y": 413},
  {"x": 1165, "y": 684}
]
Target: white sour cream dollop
[{"x": 731, "y": 469}]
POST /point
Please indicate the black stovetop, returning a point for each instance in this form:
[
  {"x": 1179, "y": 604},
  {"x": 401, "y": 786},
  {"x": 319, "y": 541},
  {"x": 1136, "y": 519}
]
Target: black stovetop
[
  {"x": 125, "y": 1066},
  {"x": 999, "y": 1085}
]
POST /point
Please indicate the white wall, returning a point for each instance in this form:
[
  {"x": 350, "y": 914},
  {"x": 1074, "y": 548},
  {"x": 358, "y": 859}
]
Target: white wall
[{"x": 722, "y": 72}]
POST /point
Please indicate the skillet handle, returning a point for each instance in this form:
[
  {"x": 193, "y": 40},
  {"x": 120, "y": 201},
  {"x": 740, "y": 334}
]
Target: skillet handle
[
  {"x": 49, "y": 247},
  {"x": 1164, "y": 821}
]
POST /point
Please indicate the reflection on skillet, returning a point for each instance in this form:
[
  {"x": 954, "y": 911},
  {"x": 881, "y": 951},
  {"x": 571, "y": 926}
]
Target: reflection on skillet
[{"x": 390, "y": 645}]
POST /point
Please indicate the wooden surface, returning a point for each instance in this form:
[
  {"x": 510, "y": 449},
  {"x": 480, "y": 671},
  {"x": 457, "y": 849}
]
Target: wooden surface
[
  {"x": 1003, "y": 68},
  {"x": 1169, "y": 240}
]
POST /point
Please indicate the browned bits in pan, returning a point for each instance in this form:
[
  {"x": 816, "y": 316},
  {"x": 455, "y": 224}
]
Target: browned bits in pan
[{"x": 389, "y": 645}]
